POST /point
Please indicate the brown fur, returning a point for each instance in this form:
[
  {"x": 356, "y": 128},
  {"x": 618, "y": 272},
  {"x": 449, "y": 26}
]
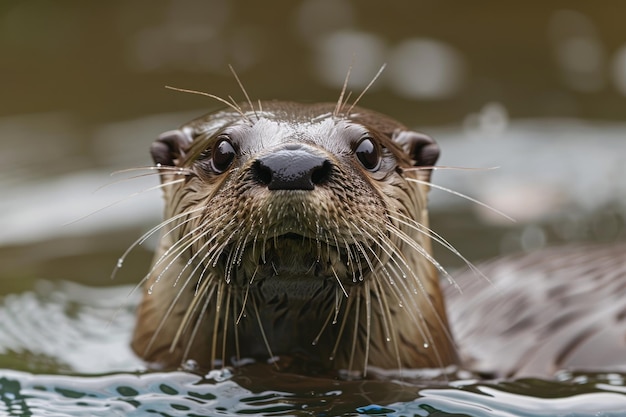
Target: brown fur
[{"x": 340, "y": 276}]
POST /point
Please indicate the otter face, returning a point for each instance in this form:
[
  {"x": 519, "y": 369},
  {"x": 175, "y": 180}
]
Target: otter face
[
  {"x": 295, "y": 199},
  {"x": 287, "y": 216}
]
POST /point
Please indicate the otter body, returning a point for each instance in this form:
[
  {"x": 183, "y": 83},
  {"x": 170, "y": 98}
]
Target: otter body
[
  {"x": 561, "y": 307},
  {"x": 295, "y": 231}
]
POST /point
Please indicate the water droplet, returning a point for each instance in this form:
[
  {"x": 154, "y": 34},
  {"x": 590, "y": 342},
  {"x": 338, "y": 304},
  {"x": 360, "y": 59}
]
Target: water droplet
[
  {"x": 158, "y": 165},
  {"x": 400, "y": 305},
  {"x": 388, "y": 339},
  {"x": 120, "y": 262},
  {"x": 150, "y": 290},
  {"x": 426, "y": 345}
]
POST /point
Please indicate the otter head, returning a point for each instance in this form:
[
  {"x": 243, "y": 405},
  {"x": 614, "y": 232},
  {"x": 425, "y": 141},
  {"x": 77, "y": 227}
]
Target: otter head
[{"x": 297, "y": 232}]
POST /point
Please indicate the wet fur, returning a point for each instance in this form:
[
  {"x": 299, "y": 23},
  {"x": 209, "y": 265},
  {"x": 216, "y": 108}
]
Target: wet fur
[{"x": 374, "y": 297}]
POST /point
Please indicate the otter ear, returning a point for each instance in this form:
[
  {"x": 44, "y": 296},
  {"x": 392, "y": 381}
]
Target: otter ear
[
  {"x": 422, "y": 149},
  {"x": 170, "y": 147}
]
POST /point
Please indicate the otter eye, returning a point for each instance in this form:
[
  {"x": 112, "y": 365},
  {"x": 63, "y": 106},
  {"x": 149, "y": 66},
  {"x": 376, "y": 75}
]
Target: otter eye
[
  {"x": 367, "y": 153},
  {"x": 222, "y": 156}
]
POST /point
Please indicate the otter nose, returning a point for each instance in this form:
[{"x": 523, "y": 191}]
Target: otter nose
[{"x": 292, "y": 167}]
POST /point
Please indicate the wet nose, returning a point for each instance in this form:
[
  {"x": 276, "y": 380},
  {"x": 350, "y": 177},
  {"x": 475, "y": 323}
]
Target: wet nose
[{"x": 292, "y": 167}]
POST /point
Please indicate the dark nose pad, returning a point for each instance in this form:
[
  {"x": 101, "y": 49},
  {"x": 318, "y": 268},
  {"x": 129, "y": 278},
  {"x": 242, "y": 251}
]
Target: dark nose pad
[{"x": 292, "y": 168}]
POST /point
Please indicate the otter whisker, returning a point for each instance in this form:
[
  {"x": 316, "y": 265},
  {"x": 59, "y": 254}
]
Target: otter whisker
[
  {"x": 218, "y": 250},
  {"x": 207, "y": 290},
  {"x": 445, "y": 168},
  {"x": 170, "y": 309},
  {"x": 386, "y": 316},
  {"x": 363, "y": 230},
  {"x": 265, "y": 340},
  {"x": 158, "y": 168},
  {"x": 218, "y": 310},
  {"x": 357, "y": 248},
  {"x": 121, "y": 200},
  {"x": 245, "y": 92},
  {"x": 194, "y": 332},
  {"x": 348, "y": 254},
  {"x": 458, "y": 194},
  {"x": 367, "y": 87},
  {"x": 338, "y": 303},
  {"x": 211, "y": 254},
  {"x": 175, "y": 251},
  {"x": 146, "y": 236},
  {"x": 380, "y": 262},
  {"x": 343, "y": 289},
  {"x": 423, "y": 291},
  {"x": 332, "y": 314},
  {"x": 162, "y": 322},
  {"x": 226, "y": 317},
  {"x": 347, "y": 100},
  {"x": 418, "y": 248},
  {"x": 245, "y": 296},
  {"x": 427, "y": 231},
  {"x": 152, "y": 170},
  {"x": 173, "y": 303},
  {"x": 368, "y": 324},
  {"x": 134, "y": 177},
  {"x": 235, "y": 325},
  {"x": 340, "y": 102},
  {"x": 355, "y": 333},
  {"x": 342, "y": 326},
  {"x": 421, "y": 322},
  {"x": 199, "y": 264},
  {"x": 235, "y": 256},
  {"x": 235, "y": 107},
  {"x": 254, "y": 241},
  {"x": 351, "y": 260},
  {"x": 403, "y": 295},
  {"x": 158, "y": 263},
  {"x": 231, "y": 261}
]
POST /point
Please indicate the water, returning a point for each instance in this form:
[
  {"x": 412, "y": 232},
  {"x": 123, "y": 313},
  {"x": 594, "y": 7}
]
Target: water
[
  {"x": 252, "y": 391},
  {"x": 536, "y": 91},
  {"x": 65, "y": 349}
]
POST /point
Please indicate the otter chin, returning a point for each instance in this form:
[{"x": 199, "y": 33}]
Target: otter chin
[{"x": 295, "y": 231}]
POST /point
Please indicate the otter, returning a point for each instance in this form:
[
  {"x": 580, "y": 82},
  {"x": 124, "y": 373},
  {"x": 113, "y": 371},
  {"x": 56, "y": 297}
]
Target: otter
[
  {"x": 295, "y": 231},
  {"x": 299, "y": 233}
]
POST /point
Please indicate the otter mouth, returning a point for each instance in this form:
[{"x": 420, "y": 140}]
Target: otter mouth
[{"x": 298, "y": 258}]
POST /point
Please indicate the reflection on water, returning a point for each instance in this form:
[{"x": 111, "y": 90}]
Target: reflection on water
[
  {"x": 254, "y": 392},
  {"x": 68, "y": 328}
]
